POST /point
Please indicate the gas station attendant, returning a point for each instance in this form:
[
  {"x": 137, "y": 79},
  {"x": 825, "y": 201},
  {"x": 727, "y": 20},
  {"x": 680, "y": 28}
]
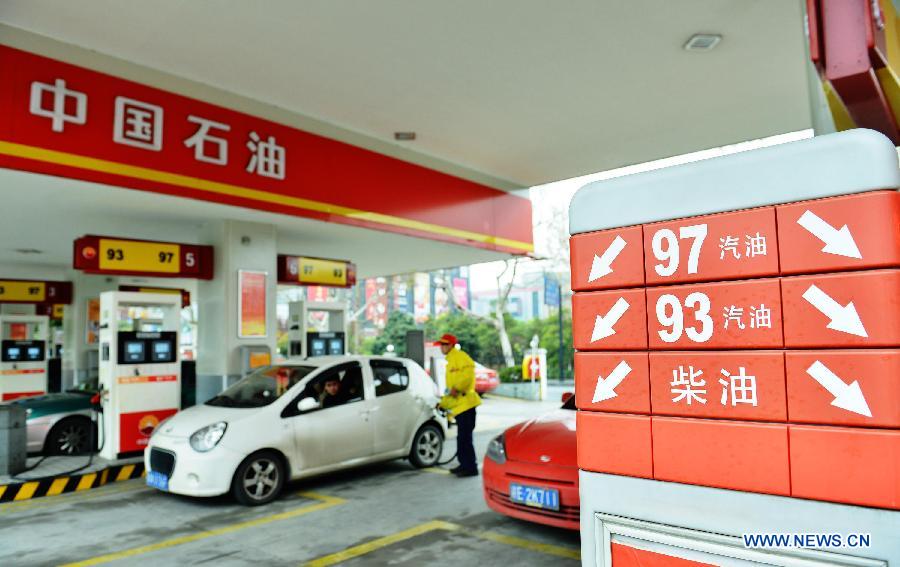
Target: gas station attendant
[{"x": 461, "y": 401}]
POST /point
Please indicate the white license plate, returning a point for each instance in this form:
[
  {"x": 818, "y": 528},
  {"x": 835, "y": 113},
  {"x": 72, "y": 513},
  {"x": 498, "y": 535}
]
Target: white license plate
[
  {"x": 534, "y": 496},
  {"x": 158, "y": 480}
]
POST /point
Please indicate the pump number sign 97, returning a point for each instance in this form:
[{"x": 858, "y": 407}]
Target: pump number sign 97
[{"x": 123, "y": 256}]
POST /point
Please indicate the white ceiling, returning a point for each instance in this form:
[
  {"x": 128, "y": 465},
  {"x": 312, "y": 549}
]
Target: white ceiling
[
  {"x": 48, "y": 213},
  {"x": 527, "y": 91}
]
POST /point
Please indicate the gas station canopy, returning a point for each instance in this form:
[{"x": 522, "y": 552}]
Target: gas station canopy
[{"x": 509, "y": 93}]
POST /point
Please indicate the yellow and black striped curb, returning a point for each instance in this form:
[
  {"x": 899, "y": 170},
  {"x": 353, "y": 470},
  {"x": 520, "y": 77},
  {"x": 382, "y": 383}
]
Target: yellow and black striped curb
[{"x": 73, "y": 483}]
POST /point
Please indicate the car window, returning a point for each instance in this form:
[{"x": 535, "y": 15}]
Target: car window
[
  {"x": 390, "y": 377},
  {"x": 262, "y": 387},
  {"x": 349, "y": 386}
]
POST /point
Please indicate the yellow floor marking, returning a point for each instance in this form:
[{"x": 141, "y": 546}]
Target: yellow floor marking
[
  {"x": 27, "y": 490},
  {"x": 385, "y": 541},
  {"x": 324, "y": 503},
  {"x": 58, "y": 486},
  {"x": 86, "y": 481},
  {"x": 379, "y": 543},
  {"x": 436, "y": 470},
  {"x": 125, "y": 473},
  {"x": 62, "y": 499},
  {"x": 547, "y": 548}
]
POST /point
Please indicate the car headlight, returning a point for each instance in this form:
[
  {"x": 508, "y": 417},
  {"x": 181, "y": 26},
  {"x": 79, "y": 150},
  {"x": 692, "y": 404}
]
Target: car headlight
[
  {"x": 496, "y": 450},
  {"x": 205, "y": 439}
]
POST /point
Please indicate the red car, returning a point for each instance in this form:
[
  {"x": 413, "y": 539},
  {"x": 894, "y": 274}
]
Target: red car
[
  {"x": 485, "y": 379},
  {"x": 531, "y": 470}
]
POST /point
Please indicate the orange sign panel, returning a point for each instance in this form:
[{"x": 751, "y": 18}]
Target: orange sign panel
[
  {"x": 607, "y": 259},
  {"x": 842, "y": 310},
  {"x": 725, "y": 454},
  {"x": 727, "y": 246},
  {"x": 627, "y": 556},
  {"x": 610, "y": 320},
  {"x": 841, "y": 233},
  {"x": 849, "y": 465},
  {"x": 614, "y": 443},
  {"x": 725, "y": 315},
  {"x": 617, "y": 382},
  {"x": 844, "y": 387},
  {"x": 727, "y": 385}
]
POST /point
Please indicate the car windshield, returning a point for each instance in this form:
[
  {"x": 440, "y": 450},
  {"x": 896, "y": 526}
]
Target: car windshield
[{"x": 262, "y": 387}]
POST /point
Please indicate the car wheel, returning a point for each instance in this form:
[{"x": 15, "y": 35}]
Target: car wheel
[
  {"x": 427, "y": 447},
  {"x": 71, "y": 436},
  {"x": 259, "y": 479}
]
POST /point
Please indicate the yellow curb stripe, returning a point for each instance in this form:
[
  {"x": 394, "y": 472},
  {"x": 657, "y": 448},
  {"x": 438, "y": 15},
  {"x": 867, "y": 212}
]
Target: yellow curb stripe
[
  {"x": 324, "y": 503},
  {"x": 435, "y": 470},
  {"x": 104, "y": 474},
  {"x": 213, "y": 187},
  {"x": 86, "y": 482},
  {"x": 547, "y": 548},
  {"x": 70, "y": 497},
  {"x": 26, "y": 491},
  {"x": 59, "y": 484},
  {"x": 2, "y": 490},
  {"x": 125, "y": 473},
  {"x": 379, "y": 543}
]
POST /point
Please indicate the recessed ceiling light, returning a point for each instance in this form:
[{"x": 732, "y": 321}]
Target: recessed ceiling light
[
  {"x": 404, "y": 136},
  {"x": 702, "y": 42},
  {"x": 29, "y": 251}
]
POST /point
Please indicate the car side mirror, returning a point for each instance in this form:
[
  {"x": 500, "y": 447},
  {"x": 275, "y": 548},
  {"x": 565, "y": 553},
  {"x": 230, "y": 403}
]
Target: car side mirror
[
  {"x": 307, "y": 404},
  {"x": 566, "y": 396}
]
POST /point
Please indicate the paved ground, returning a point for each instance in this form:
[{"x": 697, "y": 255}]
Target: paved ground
[{"x": 387, "y": 514}]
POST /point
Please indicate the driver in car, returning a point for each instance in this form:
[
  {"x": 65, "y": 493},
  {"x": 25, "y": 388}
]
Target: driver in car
[{"x": 332, "y": 395}]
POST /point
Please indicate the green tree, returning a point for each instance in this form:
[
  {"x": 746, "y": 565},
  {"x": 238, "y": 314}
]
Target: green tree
[{"x": 394, "y": 333}]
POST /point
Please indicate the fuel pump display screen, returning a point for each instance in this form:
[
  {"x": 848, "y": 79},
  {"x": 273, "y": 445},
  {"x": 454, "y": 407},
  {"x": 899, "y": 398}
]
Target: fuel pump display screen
[
  {"x": 317, "y": 347},
  {"x": 134, "y": 352},
  {"x": 336, "y": 346},
  {"x": 163, "y": 351},
  {"x": 23, "y": 351}
]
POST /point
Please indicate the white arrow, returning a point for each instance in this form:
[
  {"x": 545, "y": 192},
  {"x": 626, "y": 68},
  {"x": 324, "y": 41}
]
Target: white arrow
[
  {"x": 837, "y": 242},
  {"x": 846, "y": 396},
  {"x": 843, "y": 319},
  {"x": 603, "y": 326},
  {"x": 606, "y": 389},
  {"x": 602, "y": 265}
]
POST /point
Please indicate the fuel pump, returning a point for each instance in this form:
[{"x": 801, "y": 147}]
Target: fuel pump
[
  {"x": 23, "y": 355},
  {"x": 140, "y": 369},
  {"x": 330, "y": 341}
]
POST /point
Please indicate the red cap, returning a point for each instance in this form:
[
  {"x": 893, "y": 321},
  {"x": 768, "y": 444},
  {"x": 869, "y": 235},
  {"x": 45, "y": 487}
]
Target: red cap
[{"x": 447, "y": 339}]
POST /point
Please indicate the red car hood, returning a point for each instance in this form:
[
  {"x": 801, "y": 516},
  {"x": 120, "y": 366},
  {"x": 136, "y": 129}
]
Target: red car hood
[{"x": 551, "y": 435}]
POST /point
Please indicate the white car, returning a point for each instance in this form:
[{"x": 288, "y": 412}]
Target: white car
[{"x": 275, "y": 425}]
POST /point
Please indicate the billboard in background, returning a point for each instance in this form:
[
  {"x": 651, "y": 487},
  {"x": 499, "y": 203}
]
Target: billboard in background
[
  {"x": 421, "y": 297},
  {"x": 376, "y": 301},
  {"x": 461, "y": 292},
  {"x": 400, "y": 286}
]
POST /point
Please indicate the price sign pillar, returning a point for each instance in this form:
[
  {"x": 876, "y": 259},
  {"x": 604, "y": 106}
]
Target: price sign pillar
[
  {"x": 235, "y": 314},
  {"x": 738, "y": 364}
]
